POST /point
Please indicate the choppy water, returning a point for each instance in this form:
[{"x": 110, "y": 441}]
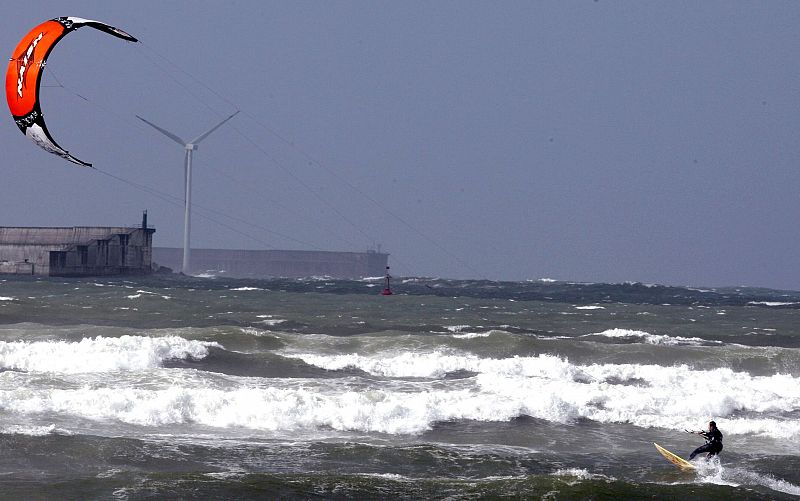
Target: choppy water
[{"x": 231, "y": 389}]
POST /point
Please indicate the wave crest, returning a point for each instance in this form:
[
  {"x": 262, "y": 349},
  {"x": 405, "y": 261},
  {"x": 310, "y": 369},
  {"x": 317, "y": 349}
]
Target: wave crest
[
  {"x": 553, "y": 389},
  {"x": 99, "y": 354}
]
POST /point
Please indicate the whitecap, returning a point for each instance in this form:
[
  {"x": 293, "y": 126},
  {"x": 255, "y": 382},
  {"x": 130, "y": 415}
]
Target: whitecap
[
  {"x": 255, "y": 332},
  {"x": 32, "y": 430},
  {"x": 715, "y": 473},
  {"x": 657, "y": 339},
  {"x": 472, "y": 335},
  {"x": 581, "y": 474},
  {"x": 99, "y": 354},
  {"x": 552, "y": 388}
]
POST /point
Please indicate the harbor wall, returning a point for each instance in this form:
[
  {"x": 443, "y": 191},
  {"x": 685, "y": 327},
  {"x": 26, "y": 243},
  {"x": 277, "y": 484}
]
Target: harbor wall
[
  {"x": 76, "y": 251},
  {"x": 275, "y": 263}
]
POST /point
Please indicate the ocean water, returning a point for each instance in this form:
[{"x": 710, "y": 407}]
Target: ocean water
[{"x": 203, "y": 388}]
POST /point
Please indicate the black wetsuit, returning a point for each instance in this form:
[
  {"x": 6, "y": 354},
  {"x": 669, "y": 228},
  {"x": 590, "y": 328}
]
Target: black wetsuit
[{"x": 712, "y": 446}]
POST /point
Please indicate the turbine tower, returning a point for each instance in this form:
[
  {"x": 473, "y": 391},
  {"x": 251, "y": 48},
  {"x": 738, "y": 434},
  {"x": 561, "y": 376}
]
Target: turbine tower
[{"x": 190, "y": 147}]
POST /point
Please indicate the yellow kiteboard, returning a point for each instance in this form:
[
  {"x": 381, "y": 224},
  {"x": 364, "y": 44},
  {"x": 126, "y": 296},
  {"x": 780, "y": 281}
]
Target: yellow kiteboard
[{"x": 675, "y": 459}]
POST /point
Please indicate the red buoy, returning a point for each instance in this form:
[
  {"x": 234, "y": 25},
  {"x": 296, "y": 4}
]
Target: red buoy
[{"x": 387, "y": 290}]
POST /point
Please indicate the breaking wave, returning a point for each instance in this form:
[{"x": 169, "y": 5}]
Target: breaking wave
[
  {"x": 553, "y": 389},
  {"x": 657, "y": 339},
  {"x": 99, "y": 354},
  {"x": 734, "y": 476}
]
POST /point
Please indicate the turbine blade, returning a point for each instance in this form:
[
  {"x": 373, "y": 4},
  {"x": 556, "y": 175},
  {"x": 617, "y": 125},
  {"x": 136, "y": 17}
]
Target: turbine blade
[
  {"x": 205, "y": 134},
  {"x": 163, "y": 131}
]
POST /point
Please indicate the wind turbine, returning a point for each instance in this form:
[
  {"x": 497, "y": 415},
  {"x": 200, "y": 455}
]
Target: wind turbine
[{"x": 190, "y": 147}]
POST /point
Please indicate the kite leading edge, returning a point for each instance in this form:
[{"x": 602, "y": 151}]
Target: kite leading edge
[{"x": 24, "y": 77}]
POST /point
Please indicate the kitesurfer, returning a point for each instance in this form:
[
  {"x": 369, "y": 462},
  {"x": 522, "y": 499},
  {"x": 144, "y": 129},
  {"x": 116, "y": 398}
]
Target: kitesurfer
[{"x": 713, "y": 444}]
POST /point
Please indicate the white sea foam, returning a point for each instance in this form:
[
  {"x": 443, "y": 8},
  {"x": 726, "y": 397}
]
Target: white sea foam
[
  {"x": 714, "y": 473},
  {"x": 273, "y": 408},
  {"x": 247, "y": 289},
  {"x": 590, "y": 307},
  {"x": 462, "y": 332},
  {"x": 772, "y": 303},
  {"x": 225, "y": 475},
  {"x": 648, "y": 338},
  {"x": 390, "y": 476},
  {"x": 544, "y": 386},
  {"x": 776, "y": 484},
  {"x": 31, "y": 430},
  {"x": 556, "y": 391},
  {"x": 581, "y": 474},
  {"x": 99, "y": 354},
  {"x": 273, "y": 321},
  {"x": 251, "y": 331},
  {"x": 438, "y": 363},
  {"x": 270, "y": 320},
  {"x": 6, "y": 298},
  {"x": 473, "y": 335},
  {"x": 551, "y": 388}
]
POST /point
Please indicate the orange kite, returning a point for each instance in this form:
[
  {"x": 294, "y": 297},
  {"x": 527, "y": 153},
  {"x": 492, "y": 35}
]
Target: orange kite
[{"x": 24, "y": 77}]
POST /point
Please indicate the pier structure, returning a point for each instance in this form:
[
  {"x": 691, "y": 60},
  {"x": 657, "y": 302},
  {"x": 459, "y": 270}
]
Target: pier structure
[
  {"x": 275, "y": 263},
  {"x": 76, "y": 251}
]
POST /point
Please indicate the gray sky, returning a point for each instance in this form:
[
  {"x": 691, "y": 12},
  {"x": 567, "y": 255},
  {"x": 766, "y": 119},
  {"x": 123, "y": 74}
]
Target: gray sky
[{"x": 577, "y": 140}]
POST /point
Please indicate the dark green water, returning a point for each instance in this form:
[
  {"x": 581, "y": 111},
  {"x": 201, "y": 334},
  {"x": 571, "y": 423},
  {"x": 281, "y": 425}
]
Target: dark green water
[{"x": 165, "y": 388}]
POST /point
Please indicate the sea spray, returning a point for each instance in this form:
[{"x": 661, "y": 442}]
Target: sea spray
[{"x": 99, "y": 354}]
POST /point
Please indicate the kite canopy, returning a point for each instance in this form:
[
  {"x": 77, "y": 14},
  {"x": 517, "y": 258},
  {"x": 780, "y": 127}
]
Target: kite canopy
[{"x": 24, "y": 77}]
